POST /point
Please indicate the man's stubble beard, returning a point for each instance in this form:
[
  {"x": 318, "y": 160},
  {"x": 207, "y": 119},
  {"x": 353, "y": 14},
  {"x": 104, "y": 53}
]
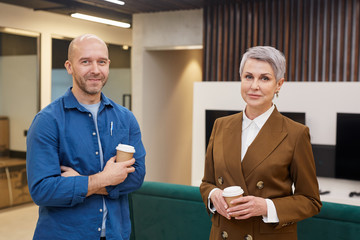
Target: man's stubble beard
[{"x": 83, "y": 87}]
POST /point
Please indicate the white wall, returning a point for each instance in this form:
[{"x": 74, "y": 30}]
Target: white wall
[
  {"x": 320, "y": 102},
  {"x": 162, "y": 89},
  {"x": 167, "y": 126},
  {"x": 163, "y": 30}
]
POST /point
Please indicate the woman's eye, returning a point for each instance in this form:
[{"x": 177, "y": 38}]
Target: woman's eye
[
  {"x": 248, "y": 77},
  {"x": 265, "y": 78}
]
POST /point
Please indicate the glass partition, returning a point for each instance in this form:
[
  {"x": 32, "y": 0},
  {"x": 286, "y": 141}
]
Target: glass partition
[
  {"x": 118, "y": 86},
  {"x": 19, "y": 84},
  {"x": 19, "y": 103}
]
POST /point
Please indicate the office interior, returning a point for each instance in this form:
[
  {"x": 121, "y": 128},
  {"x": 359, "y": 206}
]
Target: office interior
[{"x": 163, "y": 71}]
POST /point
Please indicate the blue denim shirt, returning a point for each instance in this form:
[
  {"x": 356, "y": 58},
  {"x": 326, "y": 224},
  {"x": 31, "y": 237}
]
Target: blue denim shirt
[{"x": 64, "y": 133}]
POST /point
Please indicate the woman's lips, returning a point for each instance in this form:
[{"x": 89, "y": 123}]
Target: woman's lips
[{"x": 254, "y": 95}]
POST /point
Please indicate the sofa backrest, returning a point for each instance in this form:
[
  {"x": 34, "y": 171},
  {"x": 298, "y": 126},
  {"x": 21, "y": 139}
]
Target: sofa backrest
[
  {"x": 334, "y": 222},
  {"x": 166, "y": 211}
]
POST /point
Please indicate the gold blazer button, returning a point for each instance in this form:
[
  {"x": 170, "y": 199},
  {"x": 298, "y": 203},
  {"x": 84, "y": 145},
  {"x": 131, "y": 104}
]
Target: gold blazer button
[
  {"x": 224, "y": 235},
  {"x": 248, "y": 237},
  {"x": 221, "y": 180},
  {"x": 260, "y": 185}
]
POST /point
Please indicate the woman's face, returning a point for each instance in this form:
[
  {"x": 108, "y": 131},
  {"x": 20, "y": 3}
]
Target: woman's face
[{"x": 258, "y": 85}]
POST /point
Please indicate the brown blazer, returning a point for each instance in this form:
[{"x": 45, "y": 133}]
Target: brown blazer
[{"x": 279, "y": 156}]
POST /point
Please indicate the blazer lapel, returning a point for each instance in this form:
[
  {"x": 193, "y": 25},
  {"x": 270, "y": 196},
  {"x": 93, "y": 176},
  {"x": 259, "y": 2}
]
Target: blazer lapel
[
  {"x": 232, "y": 151},
  {"x": 269, "y": 137}
]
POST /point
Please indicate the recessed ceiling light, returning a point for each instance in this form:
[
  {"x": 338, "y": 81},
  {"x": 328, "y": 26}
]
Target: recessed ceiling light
[{"x": 101, "y": 20}]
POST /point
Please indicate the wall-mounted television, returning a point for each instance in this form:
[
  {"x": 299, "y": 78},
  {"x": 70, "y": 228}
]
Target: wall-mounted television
[
  {"x": 347, "y": 146},
  {"x": 212, "y": 115}
]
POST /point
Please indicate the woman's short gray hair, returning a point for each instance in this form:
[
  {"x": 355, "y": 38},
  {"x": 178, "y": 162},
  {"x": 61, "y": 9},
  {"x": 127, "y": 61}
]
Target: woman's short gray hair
[{"x": 268, "y": 54}]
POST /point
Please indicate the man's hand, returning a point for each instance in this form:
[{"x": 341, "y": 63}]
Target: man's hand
[{"x": 114, "y": 173}]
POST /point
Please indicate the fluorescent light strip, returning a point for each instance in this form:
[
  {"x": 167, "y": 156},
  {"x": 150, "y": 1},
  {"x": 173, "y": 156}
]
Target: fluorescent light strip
[
  {"x": 116, "y": 2},
  {"x": 19, "y": 32},
  {"x": 101, "y": 20}
]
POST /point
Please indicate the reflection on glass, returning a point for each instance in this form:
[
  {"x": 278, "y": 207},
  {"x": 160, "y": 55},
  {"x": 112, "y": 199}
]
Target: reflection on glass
[
  {"x": 60, "y": 79},
  {"x": 19, "y": 88},
  {"x": 118, "y": 86}
]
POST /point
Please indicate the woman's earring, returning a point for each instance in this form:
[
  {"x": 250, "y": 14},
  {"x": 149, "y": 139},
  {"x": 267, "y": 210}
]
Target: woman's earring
[{"x": 277, "y": 93}]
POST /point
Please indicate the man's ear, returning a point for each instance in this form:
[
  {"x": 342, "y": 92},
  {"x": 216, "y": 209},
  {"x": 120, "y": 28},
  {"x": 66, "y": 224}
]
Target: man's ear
[{"x": 68, "y": 67}]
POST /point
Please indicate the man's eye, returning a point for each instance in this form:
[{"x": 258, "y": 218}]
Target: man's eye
[{"x": 85, "y": 62}]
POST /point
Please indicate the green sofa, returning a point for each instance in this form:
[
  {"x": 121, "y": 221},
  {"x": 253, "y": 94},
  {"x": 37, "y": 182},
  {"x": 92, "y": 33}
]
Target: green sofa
[{"x": 164, "y": 211}]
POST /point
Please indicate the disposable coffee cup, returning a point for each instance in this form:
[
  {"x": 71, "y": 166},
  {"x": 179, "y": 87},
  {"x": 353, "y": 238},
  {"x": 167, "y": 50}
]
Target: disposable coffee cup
[
  {"x": 231, "y": 193},
  {"x": 124, "y": 152}
]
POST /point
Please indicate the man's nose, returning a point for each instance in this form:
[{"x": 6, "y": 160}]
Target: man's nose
[{"x": 95, "y": 68}]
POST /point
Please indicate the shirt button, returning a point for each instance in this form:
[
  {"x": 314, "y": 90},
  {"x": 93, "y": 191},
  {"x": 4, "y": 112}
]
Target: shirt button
[
  {"x": 94, "y": 133},
  {"x": 100, "y": 210},
  {"x": 97, "y": 153},
  {"x": 89, "y": 115},
  {"x": 99, "y": 229}
]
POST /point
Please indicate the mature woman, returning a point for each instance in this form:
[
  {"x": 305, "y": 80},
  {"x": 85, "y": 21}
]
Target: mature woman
[{"x": 264, "y": 153}]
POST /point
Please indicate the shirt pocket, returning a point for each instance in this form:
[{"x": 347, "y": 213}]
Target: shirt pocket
[{"x": 118, "y": 135}]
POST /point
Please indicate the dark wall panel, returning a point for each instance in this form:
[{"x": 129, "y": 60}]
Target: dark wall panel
[{"x": 320, "y": 38}]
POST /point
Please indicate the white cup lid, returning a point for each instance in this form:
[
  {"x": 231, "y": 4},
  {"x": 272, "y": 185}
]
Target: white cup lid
[
  {"x": 125, "y": 148},
  {"x": 232, "y": 191}
]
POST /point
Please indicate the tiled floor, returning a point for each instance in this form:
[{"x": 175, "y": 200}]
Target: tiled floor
[{"x": 18, "y": 223}]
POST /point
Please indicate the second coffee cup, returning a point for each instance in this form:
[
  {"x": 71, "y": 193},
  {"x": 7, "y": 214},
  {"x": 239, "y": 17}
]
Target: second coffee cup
[
  {"x": 124, "y": 152},
  {"x": 231, "y": 193}
]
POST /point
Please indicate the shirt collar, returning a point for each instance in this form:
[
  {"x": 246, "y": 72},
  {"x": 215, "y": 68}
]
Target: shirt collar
[
  {"x": 259, "y": 121},
  {"x": 71, "y": 102}
]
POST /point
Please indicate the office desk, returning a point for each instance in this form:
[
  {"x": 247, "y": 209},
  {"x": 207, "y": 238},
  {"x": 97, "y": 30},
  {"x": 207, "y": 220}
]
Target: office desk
[
  {"x": 13, "y": 182},
  {"x": 339, "y": 190}
]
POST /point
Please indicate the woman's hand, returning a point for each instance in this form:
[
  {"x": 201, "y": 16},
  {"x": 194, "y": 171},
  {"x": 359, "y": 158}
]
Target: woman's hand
[
  {"x": 219, "y": 203},
  {"x": 246, "y": 207},
  {"x": 68, "y": 172}
]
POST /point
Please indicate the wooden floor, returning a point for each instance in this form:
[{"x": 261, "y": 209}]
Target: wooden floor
[{"x": 18, "y": 223}]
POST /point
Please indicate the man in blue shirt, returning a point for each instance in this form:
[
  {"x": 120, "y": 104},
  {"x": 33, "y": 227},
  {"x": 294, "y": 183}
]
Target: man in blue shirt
[{"x": 72, "y": 173}]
